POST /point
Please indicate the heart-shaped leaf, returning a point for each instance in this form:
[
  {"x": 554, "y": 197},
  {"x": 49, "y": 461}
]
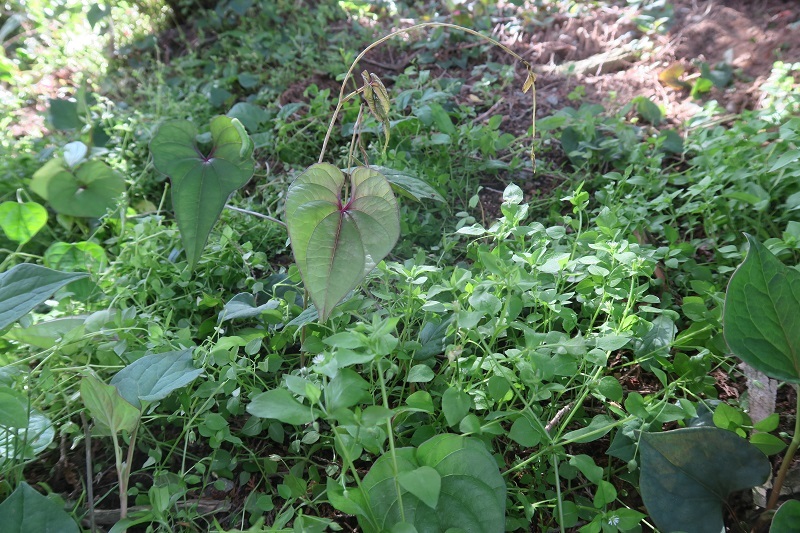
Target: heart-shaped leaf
[
  {"x": 21, "y": 221},
  {"x": 153, "y": 377},
  {"x": 761, "y": 320},
  {"x": 425, "y": 483},
  {"x": 338, "y": 240},
  {"x": 110, "y": 411},
  {"x": 687, "y": 475},
  {"x": 89, "y": 191},
  {"x": 472, "y": 494},
  {"x": 27, "y": 510},
  {"x": 202, "y": 180},
  {"x": 25, "y": 286}
]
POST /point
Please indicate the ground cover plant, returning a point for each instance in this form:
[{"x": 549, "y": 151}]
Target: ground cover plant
[{"x": 255, "y": 280}]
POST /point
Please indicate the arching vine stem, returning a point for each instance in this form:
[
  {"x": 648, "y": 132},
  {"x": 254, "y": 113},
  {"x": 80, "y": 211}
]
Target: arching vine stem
[{"x": 530, "y": 81}]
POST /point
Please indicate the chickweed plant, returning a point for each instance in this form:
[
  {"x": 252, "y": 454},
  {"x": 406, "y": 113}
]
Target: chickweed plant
[{"x": 256, "y": 354}]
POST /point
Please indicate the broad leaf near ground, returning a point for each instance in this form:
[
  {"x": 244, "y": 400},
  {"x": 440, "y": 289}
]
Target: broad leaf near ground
[
  {"x": 46, "y": 334},
  {"x": 89, "y": 191},
  {"x": 281, "y": 405},
  {"x": 471, "y": 495},
  {"x": 338, "y": 240},
  {"x": 26, "y": 510},
  {"x": 787, "y": 518},
  {"x": 110, "y": 411},
  {"x": 761, "y": 321},
  {"x": 153, "y": 377},
  {"x": 25, "y": 286},
  {"x": 29, "y": 441},
  {"x": 202, "y": 180},
  {"x": 21, "y": 221},
  {"x": 686, "y": 475}
]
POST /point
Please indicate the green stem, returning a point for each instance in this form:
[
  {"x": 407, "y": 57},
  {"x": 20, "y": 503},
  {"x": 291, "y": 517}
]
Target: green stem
[
  {"x": 349, "y": 73},
  {"x": 390, "y": 433},
  {"x": 787, "y": 458}
]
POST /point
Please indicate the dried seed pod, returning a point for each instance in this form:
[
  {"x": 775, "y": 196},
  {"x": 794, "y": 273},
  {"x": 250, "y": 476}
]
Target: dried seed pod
[{"x": 377, "y": 98}]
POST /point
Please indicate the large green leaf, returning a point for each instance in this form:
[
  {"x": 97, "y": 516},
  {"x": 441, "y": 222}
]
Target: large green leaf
[
  {"x": 26, "y": 511},
  {"x": 89, "y": 191},
  {"x": 25, "y": 286},
  {"x": 110, "y": 411},
  {"x": 21, "y": 221},
  {"x": 471, "y": 496},
  {"x": 202, "y": 179},
  {"x": 153, "y": 377},
  {"x": 46, "y": 334},
  {"x": 281, "y": 405},
  {"x": 29, "y": 441},
  {"x": 338, "y": 240},
  {"x": 787, "y": 518},
  {"x": 762, "y": 314},
  {"x": 687, "y": 474}
]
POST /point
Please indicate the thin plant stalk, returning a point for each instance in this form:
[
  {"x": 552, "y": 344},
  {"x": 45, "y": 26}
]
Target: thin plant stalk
[
  {"x": 529, "y": 83},
  {"x": 787, "y": 457}
]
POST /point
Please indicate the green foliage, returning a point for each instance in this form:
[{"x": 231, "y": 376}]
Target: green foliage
[
  {"x": 448, "y": 482},
  {"x": 760, "y": 319},
  {"x": 27, "y": 510},
  {"x": 91, "y": 190},
  {"x": 21, "y": 221},
  {"x": 787, "y": 517},
  {"x": 203, "y": 174},
  {"x": 25, "y": 286},
  {"x": 687, "y": 478},
  {"x": 514, "y": 334},
  {"x": 338, "y": 239}
]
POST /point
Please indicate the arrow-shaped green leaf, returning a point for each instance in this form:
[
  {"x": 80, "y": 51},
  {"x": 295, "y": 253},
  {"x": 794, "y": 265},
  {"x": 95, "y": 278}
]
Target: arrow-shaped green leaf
[
  {"x": 25, "y": 286},
  {"x": 762, "y": 314},
  {"x": 202, "y": 180},
  {"x": 687, "y": 475},
  {"x": 338, "y": 240}
]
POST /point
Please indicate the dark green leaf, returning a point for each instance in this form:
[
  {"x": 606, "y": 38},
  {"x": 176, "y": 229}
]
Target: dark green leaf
[
  {"x": 63, "y": 114},
  {"x": 472, "y": 495},
  {"x": 27, "y": 511},
  {"x": 787, "y": 518},
  {"x": 28, "y": 441},
  {"x": 686, "y": 475},
  {"x": 202, "y": 181},
  {"x": 153, "y": 377},
  {"x": 25, "y": 286},
  {"x": 761, "y": 320}
]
